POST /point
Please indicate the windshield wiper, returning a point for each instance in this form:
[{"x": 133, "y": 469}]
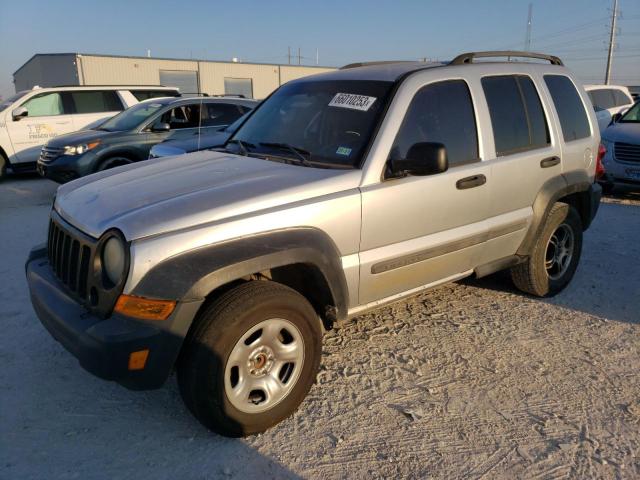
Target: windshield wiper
[
  {"x": 298, "y": 152},
  {"x": 244, "y": 151}
]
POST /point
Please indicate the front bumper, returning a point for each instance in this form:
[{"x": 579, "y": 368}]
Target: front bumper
[
  {"x": 102, "y": 346},
  {"x": 65, "y": 168}
]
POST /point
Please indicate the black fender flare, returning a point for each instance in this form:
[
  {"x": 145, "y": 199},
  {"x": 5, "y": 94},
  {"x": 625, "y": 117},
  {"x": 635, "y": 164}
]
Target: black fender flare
[
  {"x": 552, "y": 190},
  {"x": 194, "y": 274}
]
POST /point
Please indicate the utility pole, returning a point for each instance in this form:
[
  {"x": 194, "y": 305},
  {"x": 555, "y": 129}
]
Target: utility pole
[
  {"x": 612, "y": 42},
  {"x": 317, "y": 57},
  {"x": 527, "y": 39},
  {"x": 289, "y": 55},
  {"x": 298, "y": 55}
]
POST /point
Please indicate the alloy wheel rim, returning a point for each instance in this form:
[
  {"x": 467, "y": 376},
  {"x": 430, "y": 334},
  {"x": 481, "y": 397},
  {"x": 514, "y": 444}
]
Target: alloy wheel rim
[
  {"x": 264, "y": 365},
  {"x": 559, "y": 251}
]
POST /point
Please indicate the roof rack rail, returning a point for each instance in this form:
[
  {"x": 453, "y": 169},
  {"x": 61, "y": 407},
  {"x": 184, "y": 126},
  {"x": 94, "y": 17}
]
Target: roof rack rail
[
  {"x": 468, "y": 57},
  {"x": 367, "y": 64},
  {"x": 114, "y": 85}
]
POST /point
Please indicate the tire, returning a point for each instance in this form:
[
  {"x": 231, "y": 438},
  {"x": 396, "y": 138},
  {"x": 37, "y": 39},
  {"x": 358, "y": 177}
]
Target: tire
[
  {"x": 607, "y": 188},
  {"x": 210, "y": 363},
  {"x": 112, "y": 162},
  {"x": 541, "y": 275},
  {"x": 3, "y": 167}
]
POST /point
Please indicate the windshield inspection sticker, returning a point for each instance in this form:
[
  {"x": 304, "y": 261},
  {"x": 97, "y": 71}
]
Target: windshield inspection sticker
[
  {"x": 352, "y": 101},
  {"x": 343, "y": 151}
]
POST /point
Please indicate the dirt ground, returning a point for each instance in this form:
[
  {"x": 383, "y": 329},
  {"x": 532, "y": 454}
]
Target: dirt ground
[{"x": 471, "y": 380}]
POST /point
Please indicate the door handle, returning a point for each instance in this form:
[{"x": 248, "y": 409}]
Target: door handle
[
  {"x": 549, "y": 162},
  {"x": 471, "y": 182}
]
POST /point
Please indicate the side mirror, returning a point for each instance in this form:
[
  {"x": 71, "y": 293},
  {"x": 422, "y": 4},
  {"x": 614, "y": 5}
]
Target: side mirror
[
  {"x": 616, "y": 118},
  {"x": 425, "y": 158},
  {"x": 161, "y": 127},
  {"x": 19, "y": 113}
]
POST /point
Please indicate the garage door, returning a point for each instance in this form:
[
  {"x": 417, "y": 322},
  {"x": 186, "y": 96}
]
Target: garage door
[{"x": 185, "y": 80}]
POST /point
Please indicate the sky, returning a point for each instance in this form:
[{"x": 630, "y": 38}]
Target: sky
[{"x": 341, "y": 31}]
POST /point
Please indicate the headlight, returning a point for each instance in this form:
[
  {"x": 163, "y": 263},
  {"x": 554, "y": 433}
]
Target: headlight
[
  {"x": 80, "y": 149},
  {"x": 114, "y": 259}
]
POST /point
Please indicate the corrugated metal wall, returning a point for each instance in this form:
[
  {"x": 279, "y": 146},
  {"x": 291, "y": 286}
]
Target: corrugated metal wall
[
  {"x": 50, "y": 70},
  {"x": 47, "y": 71}
]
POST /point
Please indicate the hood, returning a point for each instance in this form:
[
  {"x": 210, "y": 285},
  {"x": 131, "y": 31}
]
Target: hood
[
  {"x": 623, "y": 132},
  {"x": 173, "y": 193},
  {"x": 210, "y": 140},
  {"x": 78, "y": 138}
]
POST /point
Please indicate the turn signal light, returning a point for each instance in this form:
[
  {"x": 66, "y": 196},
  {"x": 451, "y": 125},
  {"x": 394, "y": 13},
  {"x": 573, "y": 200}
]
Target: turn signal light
[
  {"x": 137, "y": 360},
  {"x": 144, "y": 308}
]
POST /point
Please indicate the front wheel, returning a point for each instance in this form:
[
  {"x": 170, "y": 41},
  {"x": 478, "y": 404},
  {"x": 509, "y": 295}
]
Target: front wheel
[
  {"x": 112, "y": 163},
  {"x": 251, "y": 358},
  {"x": 3, "y": 166},
  {"x": 555, "y": 255}
]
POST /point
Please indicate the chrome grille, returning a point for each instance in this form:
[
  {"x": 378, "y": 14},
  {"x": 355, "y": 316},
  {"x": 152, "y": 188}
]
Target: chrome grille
[
  {"x": 69, "y": 257},
  {"x": 627, "y": 152},
  {"x": 49, "y": 154}
]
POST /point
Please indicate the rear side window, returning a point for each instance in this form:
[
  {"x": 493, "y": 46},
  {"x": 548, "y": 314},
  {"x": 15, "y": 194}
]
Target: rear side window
[
  {"x": 147, "y": 94},
  {"x": 621, "y": 98},
  {"x": 443, "y": 113},
  {"x": 96, "y": 102},
  {"x": 603, "y": 98},
  {"x": 571, "y": 112},
  {"x": 517, "y": 117},
  {"x": 221, "y": 114}
]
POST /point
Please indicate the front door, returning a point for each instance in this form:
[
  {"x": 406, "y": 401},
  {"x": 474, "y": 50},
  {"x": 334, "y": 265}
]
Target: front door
[
  {"x": 418, "y": 230},
  {"x": 48, "y": 116}
]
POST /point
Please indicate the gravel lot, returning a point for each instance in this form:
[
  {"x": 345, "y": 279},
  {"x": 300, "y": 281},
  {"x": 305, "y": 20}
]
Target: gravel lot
[{"x": 469, "y": 380}]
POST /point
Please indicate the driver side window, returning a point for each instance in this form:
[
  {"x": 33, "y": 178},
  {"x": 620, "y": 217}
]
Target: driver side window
[
  {"x": 442, "y": 113},
  {"x": 184, "y": 116}
]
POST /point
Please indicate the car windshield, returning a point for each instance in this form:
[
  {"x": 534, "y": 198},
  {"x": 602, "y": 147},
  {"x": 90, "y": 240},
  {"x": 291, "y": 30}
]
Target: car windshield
[
  {"x": 4, "y": 104},
  {"x": 131, "y": 117},
  {"x": 316, "y": 123},
  {"x": 632, "y": 115}
]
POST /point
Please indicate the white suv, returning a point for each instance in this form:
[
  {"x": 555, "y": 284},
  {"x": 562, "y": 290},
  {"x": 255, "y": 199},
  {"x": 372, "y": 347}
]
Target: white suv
[
  {"x": 32, "y": 117},
  {"x": 613, "y": 98}
]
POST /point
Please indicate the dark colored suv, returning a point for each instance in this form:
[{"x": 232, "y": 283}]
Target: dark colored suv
[{"x": 128, "y": 137}]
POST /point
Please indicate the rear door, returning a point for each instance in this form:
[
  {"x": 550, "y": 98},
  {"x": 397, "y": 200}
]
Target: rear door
[
  {"x": 524, "y": 158},
  {"x": 49, "y": 114},
  {"x": 92, "y": 107},
  {"x": 418, "y": 230}
]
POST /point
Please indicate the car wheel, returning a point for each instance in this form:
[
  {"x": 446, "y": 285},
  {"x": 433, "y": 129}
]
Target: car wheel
[
  {"x": 112, "y": 162},
  {"x": 251, "y": 358},
  {"x": 555, "y": 256},
  {"x": 3, "y": 166},
  {"x": 607, "y": 188}
]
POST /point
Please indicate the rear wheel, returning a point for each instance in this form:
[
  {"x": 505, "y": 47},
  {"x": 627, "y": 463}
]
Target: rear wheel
[
  {"x": 251, "y": 358},
  {"x": 555, "y": 255},
  {"x": 3, "y": 166},
  {"x": 113, "y": 162}
]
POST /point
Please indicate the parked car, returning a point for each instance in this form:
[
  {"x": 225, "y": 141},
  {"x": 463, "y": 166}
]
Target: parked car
[
  {"x": 204, "y": 141},
  {"x": 342, "y": 192},
  {"x": 604, "y": 118},
  {"x": 32, "y": 117},
  {"x": 614, "y": 98},
  {"x": 128, "y": 137},
  {"x": 622, "y": 141}
]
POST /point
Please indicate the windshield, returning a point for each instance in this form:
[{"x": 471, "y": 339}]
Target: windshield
[
  {"x": 131, "y": 118},
  {"x": 632, "y": 115},
  {"x": 4, "y": 104},
  {"x": 327, "y": 123}
]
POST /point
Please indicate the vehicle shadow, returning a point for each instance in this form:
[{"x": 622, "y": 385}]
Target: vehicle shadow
[{"x": 607, "y": 281}]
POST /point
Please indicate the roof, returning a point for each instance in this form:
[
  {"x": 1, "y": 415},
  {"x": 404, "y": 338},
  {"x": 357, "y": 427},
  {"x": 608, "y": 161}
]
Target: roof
[
  {"x": 202, "y": 99},
  {"x": 162, "y": 58},
  {"x": 381, "y": 71}
]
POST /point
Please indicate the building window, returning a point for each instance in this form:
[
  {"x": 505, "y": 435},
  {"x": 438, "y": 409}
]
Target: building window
[
  {"x": 185, "y": 80},
  {"x": 238, "y": 86}
]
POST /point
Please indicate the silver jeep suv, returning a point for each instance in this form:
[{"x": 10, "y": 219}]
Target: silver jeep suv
[{"x": 341, "y": 192}]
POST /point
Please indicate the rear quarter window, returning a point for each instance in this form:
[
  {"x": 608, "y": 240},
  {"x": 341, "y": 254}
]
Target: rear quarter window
[
  {"x": 571, "y": 113},
  {"x": 621, "y": 98}
]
